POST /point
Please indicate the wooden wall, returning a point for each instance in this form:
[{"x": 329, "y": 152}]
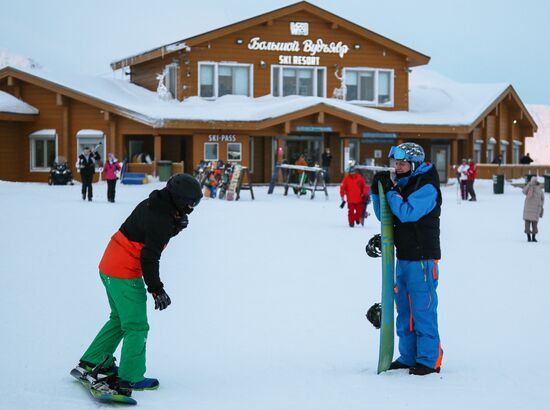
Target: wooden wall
[
  {"x": 225, "y": 49},
  {"x": 11, "y": 164}
]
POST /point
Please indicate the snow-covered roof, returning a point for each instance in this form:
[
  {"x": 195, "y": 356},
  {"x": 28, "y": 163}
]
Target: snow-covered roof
[
  {"x": 12, "y": 105},
  {"x": 434, "y": 100}
]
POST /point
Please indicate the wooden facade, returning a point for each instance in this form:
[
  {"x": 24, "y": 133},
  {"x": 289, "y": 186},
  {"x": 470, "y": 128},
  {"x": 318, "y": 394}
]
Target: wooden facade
[{"x": 502, "y": 127}]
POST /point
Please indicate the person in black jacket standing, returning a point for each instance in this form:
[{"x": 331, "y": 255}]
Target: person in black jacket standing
[
  {"x": 129, "y": 265},
  {"x": 415, "y": 202},
  {"x": 86, "y": 164},
  {"x": 326, "y": 159}
]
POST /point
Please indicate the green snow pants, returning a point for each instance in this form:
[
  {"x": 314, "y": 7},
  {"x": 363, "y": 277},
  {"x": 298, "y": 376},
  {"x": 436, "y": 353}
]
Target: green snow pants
[{"x": 128, "y": 321}]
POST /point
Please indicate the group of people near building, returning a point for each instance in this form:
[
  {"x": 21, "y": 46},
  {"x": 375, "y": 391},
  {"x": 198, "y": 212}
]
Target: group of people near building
[
  {"x": 466, "y": 174},
  {"x": 86, "y": 165}
]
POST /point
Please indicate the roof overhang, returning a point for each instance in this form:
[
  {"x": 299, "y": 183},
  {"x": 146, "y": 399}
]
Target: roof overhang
[{"x": 8, "y": 116}]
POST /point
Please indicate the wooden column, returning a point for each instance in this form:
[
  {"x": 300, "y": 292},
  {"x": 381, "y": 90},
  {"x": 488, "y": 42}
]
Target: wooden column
[
  {"x": 158, "y": 147},
  {"x": 113, "y": 137},
  {"x": 454, "y": 151},
  {"x": 63, "y": 102}
]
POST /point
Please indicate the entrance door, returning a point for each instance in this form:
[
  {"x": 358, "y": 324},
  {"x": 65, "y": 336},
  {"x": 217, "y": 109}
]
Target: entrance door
[
  {"x": 440, "y": 159},
  {"x": 310, "y": 147}
]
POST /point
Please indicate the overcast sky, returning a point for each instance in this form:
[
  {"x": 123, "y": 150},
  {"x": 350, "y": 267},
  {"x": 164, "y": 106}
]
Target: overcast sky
[{"x": 468, "y": 40}]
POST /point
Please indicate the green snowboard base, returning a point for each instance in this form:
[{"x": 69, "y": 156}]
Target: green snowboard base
[{"x": 385, "y": 356}]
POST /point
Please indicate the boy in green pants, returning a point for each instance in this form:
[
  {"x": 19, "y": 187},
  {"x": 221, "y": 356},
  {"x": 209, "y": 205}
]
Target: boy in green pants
[{"x": 131, "y": 262}]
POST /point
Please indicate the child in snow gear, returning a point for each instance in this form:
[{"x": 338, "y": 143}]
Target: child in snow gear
[
  {"x": 533, "y": 208},
  {"x": 129, "y": 268},
  {"x": 356, "y": 191},
  {"x": 111, "y": 168},
  {"x": 86, "y": 165},
  {"x": 472, "y": 175},
  {"x": 415, "y": 202}
]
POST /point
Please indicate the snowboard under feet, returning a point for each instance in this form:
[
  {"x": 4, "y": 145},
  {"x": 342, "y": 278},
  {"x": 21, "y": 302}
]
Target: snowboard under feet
[{"x": 100, "y": 389}]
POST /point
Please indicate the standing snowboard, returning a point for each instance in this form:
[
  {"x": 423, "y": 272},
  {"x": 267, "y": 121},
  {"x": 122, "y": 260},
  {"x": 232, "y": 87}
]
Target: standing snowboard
[
  {"x": 233, "y": 184},
  {"x": 388, "y": 282}
]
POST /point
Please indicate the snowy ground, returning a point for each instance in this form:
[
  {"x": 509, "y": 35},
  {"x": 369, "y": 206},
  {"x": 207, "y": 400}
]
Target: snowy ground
[{"x": 268, "y": 305}]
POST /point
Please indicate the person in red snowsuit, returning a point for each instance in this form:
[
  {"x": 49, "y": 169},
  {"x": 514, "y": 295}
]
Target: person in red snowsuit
[{"x": 355, "y": 189}]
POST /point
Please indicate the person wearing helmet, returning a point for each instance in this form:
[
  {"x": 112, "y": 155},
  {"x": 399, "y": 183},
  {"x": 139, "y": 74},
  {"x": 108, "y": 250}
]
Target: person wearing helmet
[
  {"x": 415, "y": 202},
  {"x": 129, "y": 264}
]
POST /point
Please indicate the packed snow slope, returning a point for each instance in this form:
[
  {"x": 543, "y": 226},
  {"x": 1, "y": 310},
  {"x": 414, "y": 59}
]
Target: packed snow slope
[{"x": 269, "y": 298}]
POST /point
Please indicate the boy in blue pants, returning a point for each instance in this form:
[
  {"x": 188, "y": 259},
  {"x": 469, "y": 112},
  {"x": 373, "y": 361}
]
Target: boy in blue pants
[{"x": 415, "y": 202}]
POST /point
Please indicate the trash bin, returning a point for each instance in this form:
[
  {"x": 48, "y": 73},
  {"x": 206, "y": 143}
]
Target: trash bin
[
  {"x": 498, "y": 183},
  {"x": 528, "y": 177},
  {"x": 547, "y": 183},
  {"x": 164, "y": 170}
]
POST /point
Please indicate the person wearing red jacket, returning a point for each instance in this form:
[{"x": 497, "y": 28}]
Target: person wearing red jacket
[
  {"x": 355, "y": 189},
  {"x": 472, "y": 175}
]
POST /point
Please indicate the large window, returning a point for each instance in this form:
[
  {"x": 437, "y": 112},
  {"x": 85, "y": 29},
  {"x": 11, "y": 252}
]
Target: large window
[
  {"x": 219, "y": 79},
  {"x": 290, "y": 80},
  {"x": 369, "y": 86},
  {"x": 43, "y": 149},
  {"x": 211, "y": 151}
]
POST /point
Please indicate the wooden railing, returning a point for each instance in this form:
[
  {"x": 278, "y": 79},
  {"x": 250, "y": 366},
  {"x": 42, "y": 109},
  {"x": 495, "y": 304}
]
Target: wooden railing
[
  {"x": 152, "y": 169},
  {"x": 515, "y": 171}
]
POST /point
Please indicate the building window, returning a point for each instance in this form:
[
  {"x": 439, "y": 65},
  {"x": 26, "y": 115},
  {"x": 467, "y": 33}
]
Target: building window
[
  {"x": 211, "y": 151},
  {"x": 290, "y": 80},
  {"x": 351, "y": 154},
  {"x": 477, "y": 151},
  {"x": 369, "y": 85},
  {"x": 94, "y": 140},
  {"x": 219, "y": 79},
  {"x": 43, "y": 149},
  {"x": 234, "y": 151},
  {"x": 515, "y": 151},
  {"x": 171, "y": 78}
]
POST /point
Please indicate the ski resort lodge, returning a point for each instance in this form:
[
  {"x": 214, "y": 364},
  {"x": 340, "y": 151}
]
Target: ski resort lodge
[{"x": 298, "y": 78}]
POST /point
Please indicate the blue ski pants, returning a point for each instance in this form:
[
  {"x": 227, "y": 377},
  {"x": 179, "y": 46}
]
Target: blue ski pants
[{"x": 416, "y": 300}]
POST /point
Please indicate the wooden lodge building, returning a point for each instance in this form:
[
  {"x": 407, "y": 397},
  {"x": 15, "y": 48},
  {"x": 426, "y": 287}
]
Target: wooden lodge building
[{"x": 298, "y": 78}]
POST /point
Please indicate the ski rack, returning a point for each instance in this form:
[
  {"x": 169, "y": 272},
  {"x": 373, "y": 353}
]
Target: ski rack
[{"x": 301, "y": 171}]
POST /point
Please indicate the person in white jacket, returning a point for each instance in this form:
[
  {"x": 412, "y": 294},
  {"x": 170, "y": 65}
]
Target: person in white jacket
[{"x": 463, "y": 178}]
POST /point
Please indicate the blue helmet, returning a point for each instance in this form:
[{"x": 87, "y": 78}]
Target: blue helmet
[{"x": 408, "y": 151}]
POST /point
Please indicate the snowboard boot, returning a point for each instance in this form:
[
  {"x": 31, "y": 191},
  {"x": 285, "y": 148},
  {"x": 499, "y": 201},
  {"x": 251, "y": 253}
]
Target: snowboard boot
[
  {"x": 109, "y": 370},
  {"x": 421, "y": 370},
  {"x": 145, "y": 384},
  {"x": 533, "y": 239},
  {"x": 396, "y": 365},
  {"x": 528, "y": 237}
]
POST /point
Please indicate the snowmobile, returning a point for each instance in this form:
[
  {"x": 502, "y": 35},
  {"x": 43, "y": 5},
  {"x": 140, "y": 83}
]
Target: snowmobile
[{"x": 60, "y": 173}]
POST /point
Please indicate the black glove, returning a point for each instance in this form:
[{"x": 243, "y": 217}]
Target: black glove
[
  {"x": 180, "y": 223},
  {"x": 162, "y": 300},
  {"x": 384, "y": 178},
  {"x": 343, "y": 204}
]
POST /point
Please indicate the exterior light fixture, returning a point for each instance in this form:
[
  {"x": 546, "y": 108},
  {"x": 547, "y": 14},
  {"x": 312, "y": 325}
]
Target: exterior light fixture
[
  {"x": 239, "y": 41},
  {"x": 515, "y": 122},
  {"x": 357, "y": 46},
  {"x": 263, "y": 64}
]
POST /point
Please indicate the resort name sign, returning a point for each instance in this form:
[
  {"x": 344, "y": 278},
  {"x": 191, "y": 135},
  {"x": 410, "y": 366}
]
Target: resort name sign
[{"x": 307, "y": 46}]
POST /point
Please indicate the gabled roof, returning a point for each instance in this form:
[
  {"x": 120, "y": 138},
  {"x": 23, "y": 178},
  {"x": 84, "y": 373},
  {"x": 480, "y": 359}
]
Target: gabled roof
[
  {"x": 415, "y": 58},
  {"x": 436, "y": 104}
]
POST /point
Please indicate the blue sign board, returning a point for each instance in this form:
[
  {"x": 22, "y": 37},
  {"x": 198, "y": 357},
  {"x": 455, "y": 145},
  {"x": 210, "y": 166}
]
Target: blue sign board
[
  {"x": 380, "y": 135},
  {"x": 311, "y": 128}
]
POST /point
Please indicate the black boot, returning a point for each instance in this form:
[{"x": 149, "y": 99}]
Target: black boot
[
  {"x": 528, "y": 237},
  {"x": 396, "y": 365},
  {"x": 533, "y": 238},
  {"x": 421, "y": 370}
]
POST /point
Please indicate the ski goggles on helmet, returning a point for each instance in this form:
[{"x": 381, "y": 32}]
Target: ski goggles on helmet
[{"x": 397, "y": 153}]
